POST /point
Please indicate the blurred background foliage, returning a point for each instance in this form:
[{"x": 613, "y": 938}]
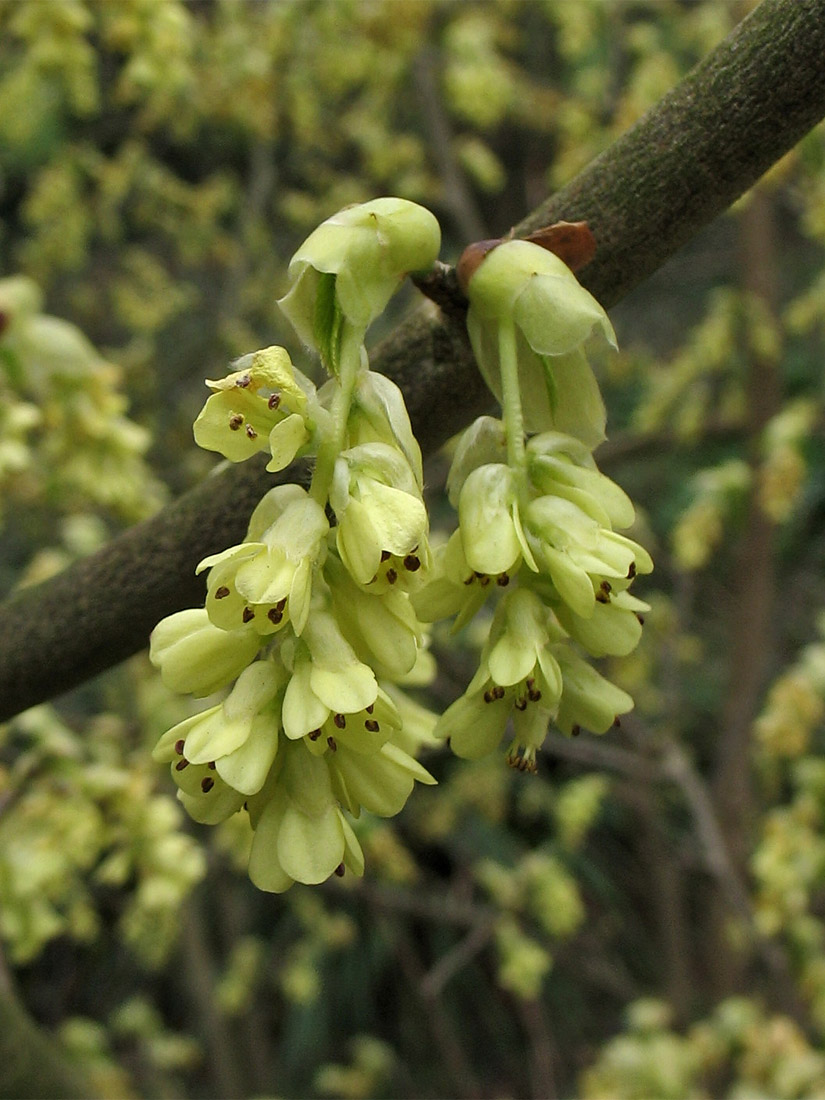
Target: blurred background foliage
[{"x": 642, "y": 919}]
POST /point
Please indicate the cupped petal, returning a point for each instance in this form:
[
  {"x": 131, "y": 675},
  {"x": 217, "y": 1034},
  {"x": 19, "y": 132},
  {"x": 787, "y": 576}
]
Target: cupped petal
[
  {"x": 285, "y": 440},
  {"x": 485, "y": 514},
  {"x": 195, "y": 657},
  {"x": 473, "y": 727},
  {"x": 310, "y": 847},
  {"x": 246, "y": 768}
]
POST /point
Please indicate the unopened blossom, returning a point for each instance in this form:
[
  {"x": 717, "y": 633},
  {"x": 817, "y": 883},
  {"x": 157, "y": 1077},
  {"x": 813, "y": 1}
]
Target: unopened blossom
[
  {"x": 347, "y": 270},
  {"x": 378, "y": 414},
  {"x": 525, "y": 299},
  {"x": 560, "y": 465},
  {"x": 263, "y": 405}
]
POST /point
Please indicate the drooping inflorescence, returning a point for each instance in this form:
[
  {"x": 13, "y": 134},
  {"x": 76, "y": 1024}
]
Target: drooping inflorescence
[{"x": 315, "y": 618}]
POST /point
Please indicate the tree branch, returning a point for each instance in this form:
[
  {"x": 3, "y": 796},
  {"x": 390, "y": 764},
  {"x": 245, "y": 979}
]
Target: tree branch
[{"x": 679, "y": 167}]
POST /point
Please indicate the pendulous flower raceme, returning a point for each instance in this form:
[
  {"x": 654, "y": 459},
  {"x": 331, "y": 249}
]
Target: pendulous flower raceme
[{"x": 314, "y": 622}]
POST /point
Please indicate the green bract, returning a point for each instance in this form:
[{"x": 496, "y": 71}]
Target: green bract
[{"x": 521, "y": 285}]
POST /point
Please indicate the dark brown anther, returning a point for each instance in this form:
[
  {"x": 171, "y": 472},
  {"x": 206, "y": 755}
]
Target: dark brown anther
[
  {"x": 333, "y": 747},
  {"x": 313, "y": 735},
  {"x": 211, "y": 765},
  {"x": 470, "y": 579},
  {"x": 248, "y": 615},
  {"x": 488, "y": 697},
  {"x": 274, "y": 401},
  {"x": 275, "y": 615},
  {"x": 181, "y": 764},
  {"x": 235, "y": 421},
  {"x": 179, "y": 746},
  {"x": 385, "y": 555},
  {"x": 250, "y": 432},
  {"x": 503, "y": 579},
  {"x": 602, "y": 597},
  {"x": 207, "y": 783},
  {"x": 392, "y": 576},
  {"x": 221, "y": 593},
  {"x": 606, "y": 587},
  {"x": 520, "y": 704},
  {"x": 631, "y": 571},
  {"x": 533, "y": 694},
  {"x": 498, "y": 692},
  {"x": 412, "y": 563},
  {"x": 641, "y": 618},
  {"x": 576, "y": 730},
  {"x": 246, "y": 806},
  {"x": 340, "y": 721},
  {"x": 340, "y": 871},
  {"x": 484, "y": 580},
  {"x": 371, "y": 725},
  {"x": 243, "y": 381},
  {"x": 617, "y": 723},
  {"x": 370, "y": 708}
]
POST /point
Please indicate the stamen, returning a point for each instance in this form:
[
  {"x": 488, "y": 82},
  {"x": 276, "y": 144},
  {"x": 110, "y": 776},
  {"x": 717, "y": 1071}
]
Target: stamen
[
  {"x": 211, "y": 765},
  {"x": 488, "y": 696},
  {"x": 251, "y": 433},
  {"x": 333, "y": 747},
  {"x": 340, "y": 871},
  {"x": 275, "y": 615},
  {"x": 221, "y": 593},
  {"x": 371, "y": 725},
  {"x": 412, "y": 563},
  {"x": 370, "y": 708},
  {"x": 243, "y": 381},
  {"x": 385, "y": 555},
  {"x": 340, "y": 721},
  {"x": 641, "y": 618},
  {"x": 179, "y": 746},
  {"x": 392, "y": 576},
  {"x": 533, "y": 694},
  {"x": 520, "y": 704},
  {"x": 498, "y": 692},
  {"x": 248, "y": 615},
  {"x": 313, "y": 735},
  {"x": 274, "y": 400},
  {"x": 181, "y": 764},
  {"x": 576, "y": 730},
  {"x": 616, "y": 723},
  {"x": 631, "y": 571},
  {"x": 235, "y": 421},
  {"x": 502, "y": 580},
  {"x": 207, "y": 783}
]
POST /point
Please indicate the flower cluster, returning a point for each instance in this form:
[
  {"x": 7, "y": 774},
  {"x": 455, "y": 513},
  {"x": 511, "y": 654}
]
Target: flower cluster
[
  {"x": 537, "y": 521},
  {"x": 311, "y": 614},
  {"x": 315, "y": 618}
]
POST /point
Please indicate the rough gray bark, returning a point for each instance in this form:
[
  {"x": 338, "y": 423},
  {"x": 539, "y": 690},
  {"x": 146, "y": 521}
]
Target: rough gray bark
[{"x": 679, "y": 167}]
